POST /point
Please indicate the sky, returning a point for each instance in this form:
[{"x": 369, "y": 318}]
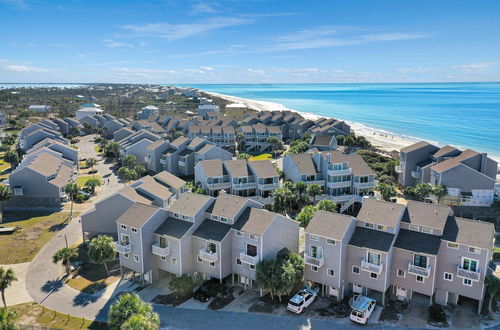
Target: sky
[{"x": 250, "y": 41}]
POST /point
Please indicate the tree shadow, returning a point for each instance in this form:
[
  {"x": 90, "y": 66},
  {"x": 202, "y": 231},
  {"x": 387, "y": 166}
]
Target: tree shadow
[
  {"x": 53, "y": 285},
  {"x": 84, "y": 299},
  {"x": 58, "y": 227}
]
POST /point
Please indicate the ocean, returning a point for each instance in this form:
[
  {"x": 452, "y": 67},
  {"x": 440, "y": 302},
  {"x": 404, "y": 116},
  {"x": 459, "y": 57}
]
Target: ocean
[{"x": 466, "y": 115}]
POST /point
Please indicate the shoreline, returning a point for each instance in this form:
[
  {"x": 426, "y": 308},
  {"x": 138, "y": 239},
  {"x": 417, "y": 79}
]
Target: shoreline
[{"x": 381, "y": 139}]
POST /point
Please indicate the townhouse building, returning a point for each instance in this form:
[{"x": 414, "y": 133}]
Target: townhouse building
[
  {"x": 136, "y": 144},
  {"x": 147, "y": 125},
  {"x": 468, "y": 175},
  {"x": 255, "y": 137},
  {"x": 256, "y": 180},
  {"x": 35, "y": 133},
  {"x": 399, "y": 251},
  {"x": 222, "y": 136},
  {"x": 112, "y": 126},
  {"x": 148, "y": 111},
  {"x": 56, "y": 147}
]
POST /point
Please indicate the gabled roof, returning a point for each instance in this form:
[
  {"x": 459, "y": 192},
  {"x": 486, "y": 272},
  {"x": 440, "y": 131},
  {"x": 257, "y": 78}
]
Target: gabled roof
[
  {"x": 329, "y": 224},
  {"x": 212, "y": 230},
  {"x": 189, "y": 204},
  {"x": 170, "y": 180},
  {"x": 356, "y": 162},
  {"x": 263, "y": 168},
  {"x": 418, "y": 242},
  {"x": 445, "y": 151},
  {"x": 173, "y": 227},
  {"x": 304, "y": 163},
  {"x": 137, "y": 215},
  {"x": 237, "y": 168},
  {"x": 469, "y": 232},
  {"x": 415, "y": 146},
  {"x": 425, "y": 214},
  {"x": 227, "y": 205},
  {"x": 212, "y": 167},
  {"x": 179, "y": 141},
  {"x": 156, "y": 144},
  {"x": 254, "y": 221},
  {"x": 149, "y": 184},
  {"x": 381, "y": 212},
  {"x": 371, "y": 239}
]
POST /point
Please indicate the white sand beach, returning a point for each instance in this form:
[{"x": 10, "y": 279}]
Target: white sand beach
[{"x": 380, "y": 139}]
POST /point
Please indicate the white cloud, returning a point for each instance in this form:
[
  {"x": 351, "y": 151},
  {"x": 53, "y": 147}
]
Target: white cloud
[
  {"x": 116, "y": 44},
  {"x": 482, "y": 65},
  {"x": 181, "y": 31},
  {"x": 207, "y": 68},
  {"x": 24, "y": 68},
  {"x": 256, "y": 71},
  {"x": 20, "y": 4},
  {"x": 296, "y": 70},
  {"x": 143, "y": 71},
  {"x": 203, "y": 8}
]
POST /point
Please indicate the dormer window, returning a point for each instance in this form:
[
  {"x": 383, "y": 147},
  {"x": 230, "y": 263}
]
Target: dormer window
[
  {"x": 426, "y": 230},
  {"x": 369, "y": 225},
  {"x": 134, "y": 230},
  {"x": 222, "y": 219},
  {"x": 177, "y": 215},
  {"x": 474, "y": 250},
  {"x": 415, "y": 227},
  {"x": 381, "y": 227},
  {"x": 214, "y": 217}
]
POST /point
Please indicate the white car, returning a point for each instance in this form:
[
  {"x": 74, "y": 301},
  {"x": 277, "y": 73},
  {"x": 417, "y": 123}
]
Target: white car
[
  {"x": 301, "y": 300},
  {"x": 362, "y": 308}
]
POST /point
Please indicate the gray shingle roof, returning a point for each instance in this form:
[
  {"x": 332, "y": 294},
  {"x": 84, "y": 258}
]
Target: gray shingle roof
[
  {"x": 425, "y": 214},
  {"x": 415, "y": 146},
  {"x": 237, "y": 168},
  {"x": 213, "y": 167},
  {"x": 469, "y": 232},
  {"x": 254, "y": 221},
  {"x": 137, "y": 215},
  {"x": 227, "y": 205},
  {"x": 329, "y": 224},
  {"x": 304, "y": 163},
  {"x": 174, "y": 228},
  {"x": 189, "y": 204},
  {"x": 418, "y": 242},
  {"x": 263, "y": 168},
  {"x": 371, "y": 239},
  {"x": 380, "y": 212},
  {"x": 212, "y": 230}
]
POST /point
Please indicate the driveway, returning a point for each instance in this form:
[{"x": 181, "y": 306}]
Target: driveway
[{"x": 17, "y": 294}]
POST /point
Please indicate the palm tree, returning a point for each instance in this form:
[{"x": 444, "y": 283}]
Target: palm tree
[
  {"x": 71, "y": 190},
  {"x": 240, "y": 137},
  {"x": 140, "y": 170},
  {"x": 113, "y": 149},
  {"x": 306, "y": 215},
  {"x": 91, "y": 162},
  {"x": 439, "y": 191},
  {"x": 327, "y": 205},
  {"x": 124, "y": 174},
  {"x": 11, "y": 157},
  {"x": 141, "y": 322},
  {"x": 128, "y": 305},
  {"x": 7, "y": 277},
  {"x": 493, "y": 287},
  {"x": 422, "y": 190},
  {"x": 314, "y": 190},
  {"x": 5, "y": 194},
  {"x": 386, "y": 190},
  {"x": 102, "y": 250},
  {"x": 275, "y": 144},
  {"x": 7, "y": 319},
  {"x": 65, "y": 255},
  {"x": 244, "y": 156},
  {"x": 92, "y": 184},
  {"x": 129, "y": 161}
]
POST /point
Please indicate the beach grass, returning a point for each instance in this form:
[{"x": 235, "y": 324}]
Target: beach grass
[
  {"x": 80, "y": 181},
  {"x": 37, "y": 228},
  {"x": 260, "y": 157}
]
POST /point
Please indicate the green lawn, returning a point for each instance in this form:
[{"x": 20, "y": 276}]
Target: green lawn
[
  {"x": 260, "y": 157},
  {"x": 35, "y": 315},
  {"x": 37, "y": 228},
  {"x": 3, "y": 167},
  {"x": 80, "y": 181}
]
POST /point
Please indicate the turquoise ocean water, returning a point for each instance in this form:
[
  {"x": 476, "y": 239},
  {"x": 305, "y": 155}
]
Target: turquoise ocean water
[{"x": 466, "y": 115}]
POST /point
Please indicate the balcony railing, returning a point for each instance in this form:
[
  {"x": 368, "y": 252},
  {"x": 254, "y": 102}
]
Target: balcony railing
[
  {"x": 220, "y": 185},
  {"x": 398, "y": 169},
  {"x": 248, "y": 259},
  {"x": 338, "y": 184},
  {"x": 372, "y": 268},
  {"x": 245, "y": 185},
  {"x": 420, "y": 271},
  {"x": 208, "y": 255},
  {"x": 364, "y": 184},
  {"x": 268, "y": 186},
  {"x": 181, "y": 163},
  {"x": 163, "y": 161},
  {"x": 123, "y": 248},
  {"x": 159, "y": 251},
  {"x": 320, "y": 183},
  {"x": 317, "y": 261},
  {"x": 346, "y": 171},
  {"x": 470, "y": 274},
  {"x": 415, "y": 174}
]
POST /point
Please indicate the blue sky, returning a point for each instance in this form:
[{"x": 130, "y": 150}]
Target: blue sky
[{"x": 251, "y": 41}]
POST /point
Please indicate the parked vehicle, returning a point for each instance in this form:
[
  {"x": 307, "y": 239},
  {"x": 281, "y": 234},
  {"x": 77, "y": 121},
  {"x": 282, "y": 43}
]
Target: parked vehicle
[
  {"x": 301, "y": 300},
  {"x": 362, "y": 308},
  {"x": 202, "y": 294}
]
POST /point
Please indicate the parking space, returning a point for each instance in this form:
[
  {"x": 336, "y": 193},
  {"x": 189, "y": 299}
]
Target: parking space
[{"x": 195, "y": 304}]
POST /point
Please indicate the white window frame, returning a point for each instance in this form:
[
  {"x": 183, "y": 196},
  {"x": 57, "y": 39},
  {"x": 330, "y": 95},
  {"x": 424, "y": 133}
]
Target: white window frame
[
  {"x": 199, "y": 259},
  {"x": 422, "y": 281},
  {"x": 402, "y": 276},
  {"x": 369, "y": 225},
  {"x": 331, "y": 241},
  {"x": 224, "y": 220},
  {"x": 465, "y": 280},
  {"x": 381, "y": 227},
  {"x": 374, "y": 276},
  {"x": 238, "y": 261},
  {"x": 214, "y": 217},
  {"x": 314, "y": 269},
  {"x": 163, "y": 258},
  {"x": 475, "y": 250},
  {"x": 124, "y": 227},
  {"x": 314, "y": 238},
  {"x": 414, "y": 227},
  {"x": 177, "y": 215},
  {"x": 252, "y": 267},
  {"x": 239, "y": 233},
  {"x": 452, "y": 247},
  {"x": 134, "y": 230},
  {"x": 448, "y": 279},
  {"x": 328, "y": 270},
  {"x": 426, "y": 230},
  {"x": 174, "y": 261},
  {"x": 212, "y": 264},
  {"x": 126, "y": 255},
  {"x": 355, "y": 267},
  {"x": 252, "y": 237},
  {"x": 470, "y": 259},
  {"x": 136, "y": 257}
]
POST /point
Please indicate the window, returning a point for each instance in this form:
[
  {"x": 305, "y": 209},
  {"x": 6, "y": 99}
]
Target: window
[
  {"x": 252, "y": 267},
  {"x": 373, "y": 275},
  {"x": 222, "y": 219},
  {"x": 313, "y": 238},
  {"x": 330, "y": 272},
  {"x": 163, "y": 258},
  {"x": 448, "y": 276},
  {"x": 427, "y": 230},
  {"x": 452, "y": 245},
  {"x": 253, "y": 237},
  {"x": 214, "y": 217},
  {"x": 474, "y": 250},
  {"x": 126, "y": 255},
  {"x": 239, "y": 233},
  {"x": 314, "y": 268},
  {"x": 330, "y": 241},
  {"x": 380, "y": 227},
  {"x": 373, "y": 258},
  {"x": 211, "y": 248},
  {"x": 134, "y": 230},
  {"x": 469, "y": 264},
  {"x": 369, "y": 225},
  {"x": 200, "y": 260},
  {"x": 124, "y": 227},
  {"x": 212, "y": 264},
  {"x": 401, "y": 273},
  {"x": 420, "y": 279},
  {"x": 415, "y": 227},
  {"x": 355, "y": 269},
  {"x": 467, "y": 281},
  {"x": 420, "y": 261},
  {"x": 174, "y": 261},
  {"x": 136, "y": 258},
  {"x": 315, "y": 252},
  {"x": 176, "y": 215},
  {"x": 238, "y": 261}
]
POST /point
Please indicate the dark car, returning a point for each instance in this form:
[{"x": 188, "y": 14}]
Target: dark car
[{"x": 202, "y": 294}]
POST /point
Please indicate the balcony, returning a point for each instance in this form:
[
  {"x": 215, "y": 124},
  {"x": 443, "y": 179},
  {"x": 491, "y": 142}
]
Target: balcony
[
  {"x": 470, "y": 274},
  {"x": 181, "y": 163},
  {"x": 220, "y": 185},
  {"x": 338, "y": 184},
  {"x": 159, "y": 251},
  {"x": 208, "y": 255},
  {"x": 248, "y": 259},
  {"x": 268, "y": 186},
  {"x": 262, "y": 200},
  {"x": 247, "y": 185},
  {"x": 346, "y": 171},
  {"x": 338, "y": 198},
  {"x": 122, "y": 247},
  {"x": 372, "y": 268},
  {"x": 163, "y": 161},
  {"x": 314, "y": 261},
  {"x": 320, "y": 183},
  {"x": 370, "y": 184},
  {"x": 415, "y": 174},
  {"x": 419, "y": 271},
  {"x": 398, "y": 168}
]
